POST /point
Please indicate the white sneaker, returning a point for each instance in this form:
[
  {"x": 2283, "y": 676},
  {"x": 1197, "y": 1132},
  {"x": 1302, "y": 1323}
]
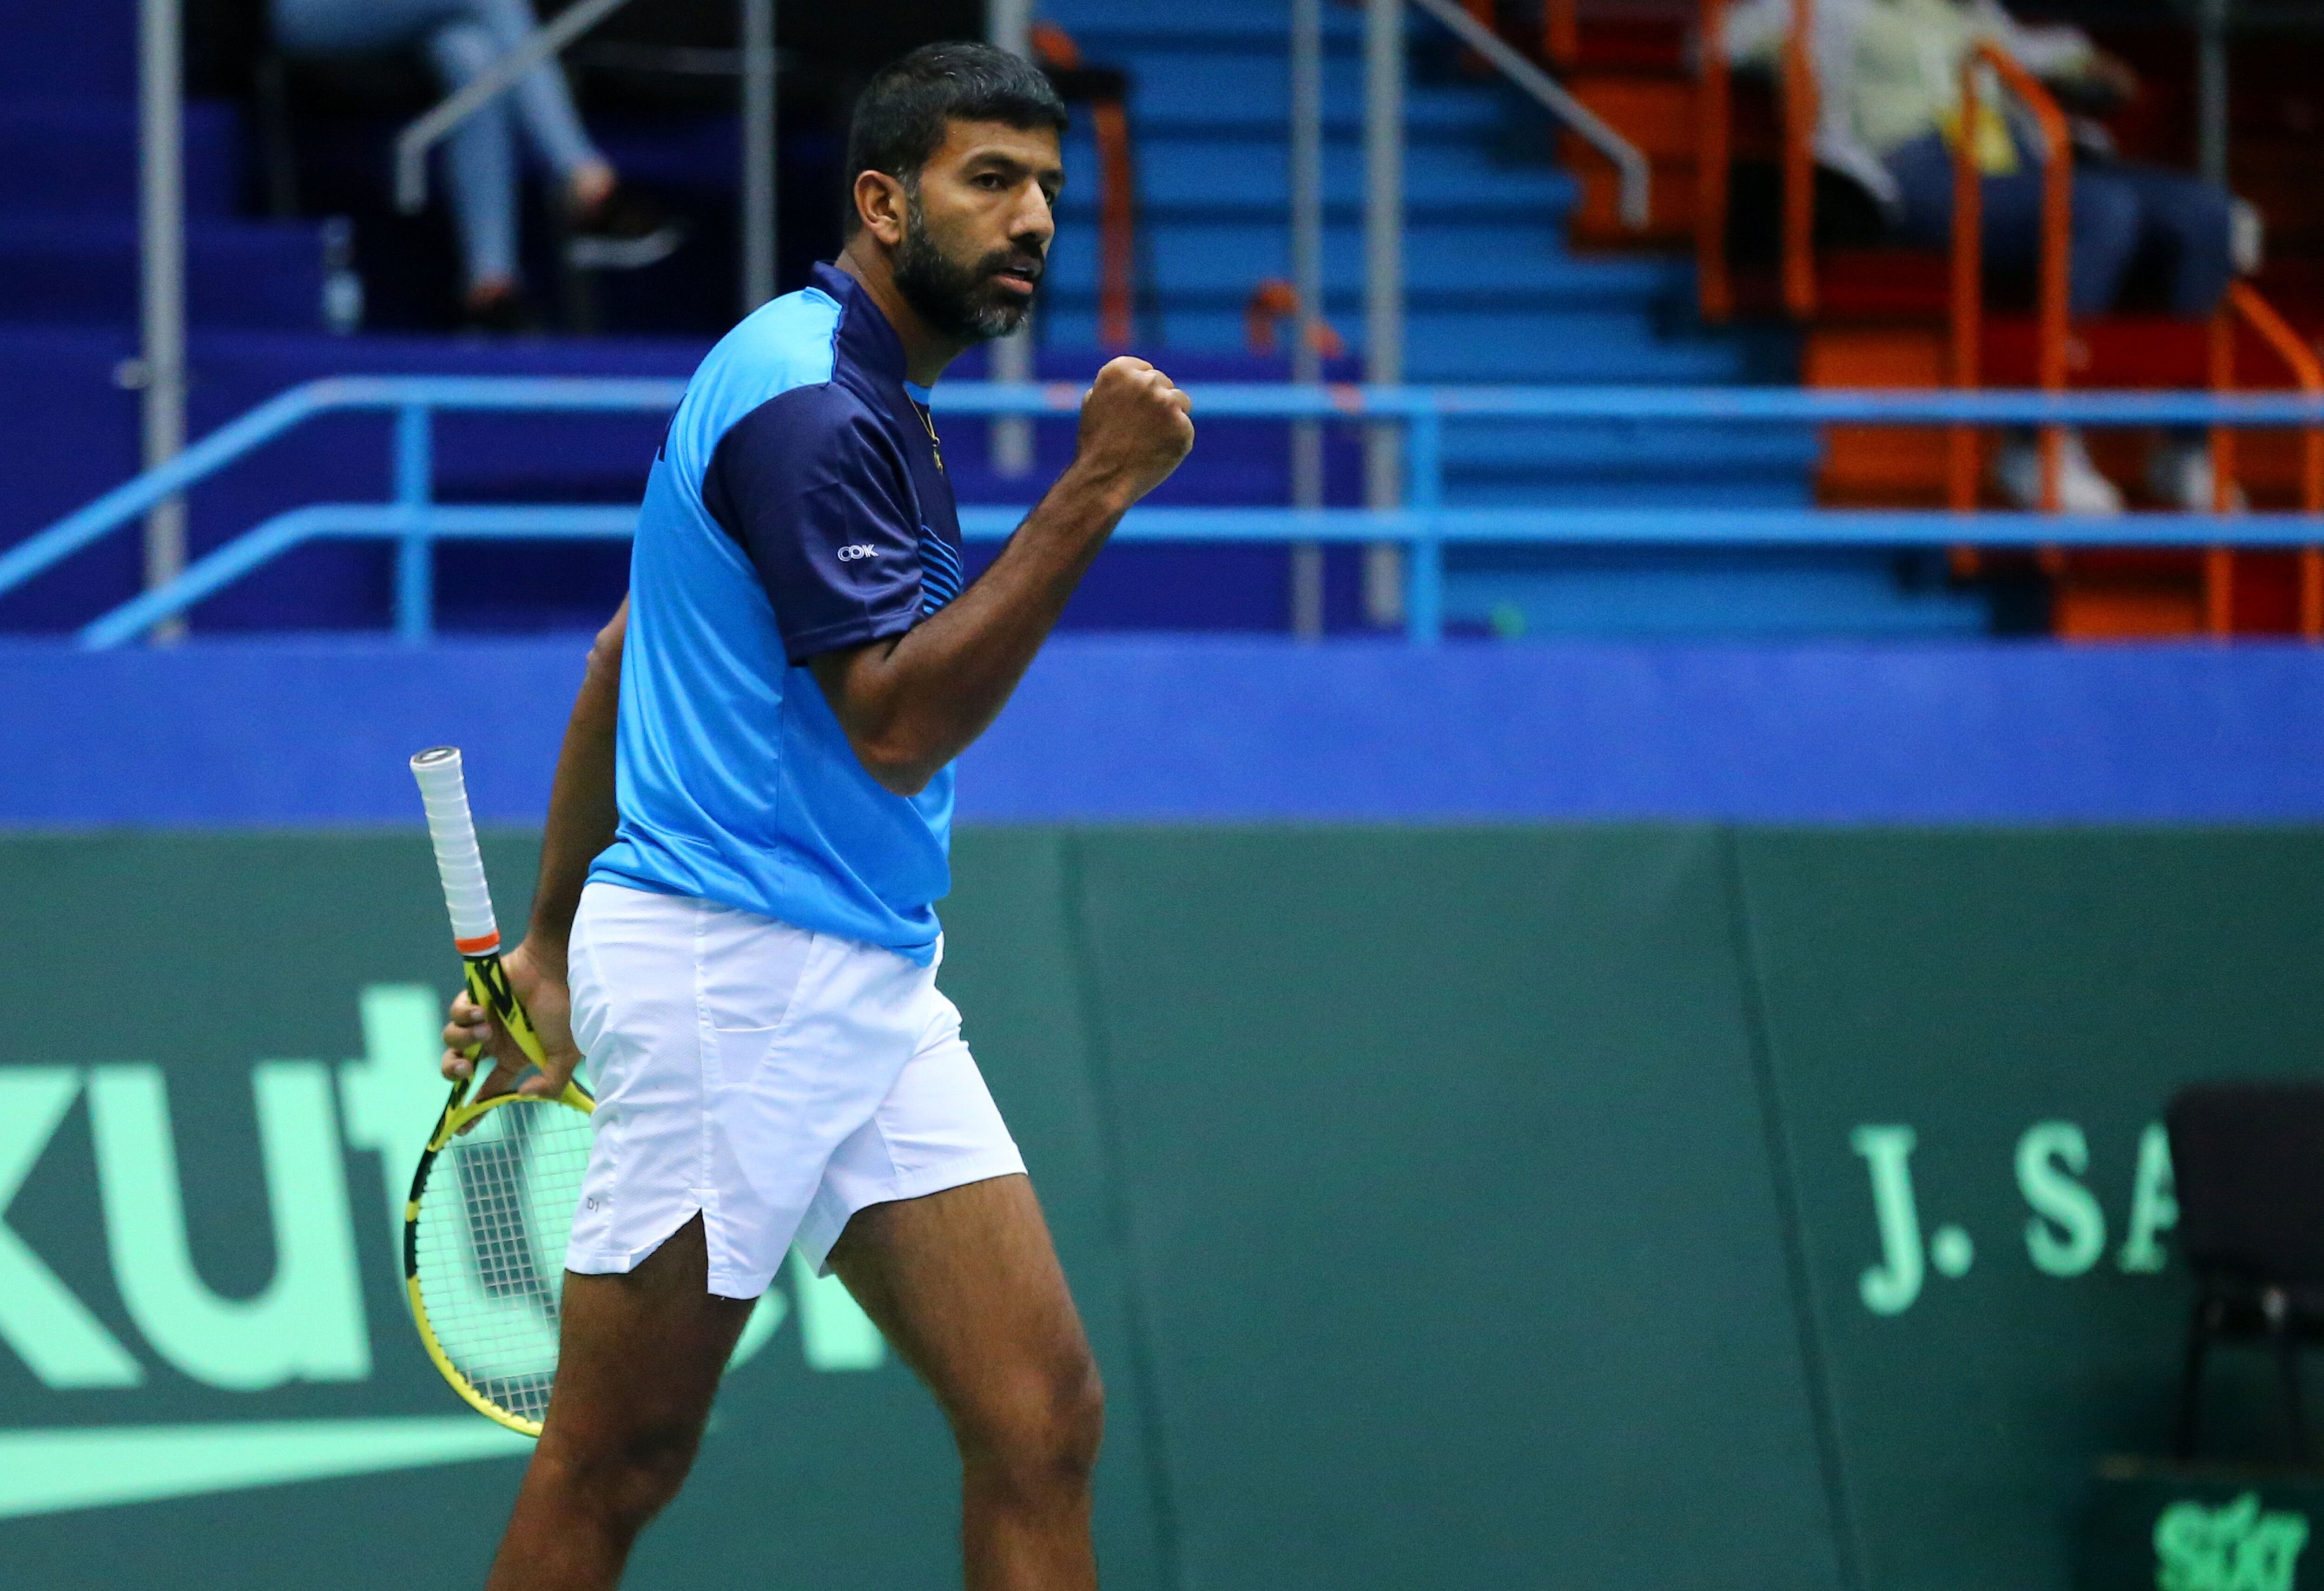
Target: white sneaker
[
  {"x": 2246, "y": 237},
  {"x": 2081, "y": 489},
  {"x": 2179, "y": 472}
]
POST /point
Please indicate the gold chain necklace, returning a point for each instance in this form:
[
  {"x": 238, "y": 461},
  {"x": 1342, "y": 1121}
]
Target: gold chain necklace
[{"x": 929, "y": 426}]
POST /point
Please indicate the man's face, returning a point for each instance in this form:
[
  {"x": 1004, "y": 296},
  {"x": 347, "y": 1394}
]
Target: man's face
[{"x": 977, "y": 228}]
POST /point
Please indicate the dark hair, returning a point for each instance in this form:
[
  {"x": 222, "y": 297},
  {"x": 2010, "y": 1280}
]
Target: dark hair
[{"x": 899, "y": 118}]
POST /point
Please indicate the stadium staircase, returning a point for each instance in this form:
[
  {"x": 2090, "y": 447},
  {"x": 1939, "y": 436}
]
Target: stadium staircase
[
  {"x": 69, "y": 404},
  {"x": 1499, "y": 292},
  {"x": 1508, "y": 280}
]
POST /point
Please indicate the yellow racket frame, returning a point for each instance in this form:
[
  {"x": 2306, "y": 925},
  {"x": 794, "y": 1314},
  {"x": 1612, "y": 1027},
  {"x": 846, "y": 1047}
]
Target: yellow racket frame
[{"x": 488, "y": 985}]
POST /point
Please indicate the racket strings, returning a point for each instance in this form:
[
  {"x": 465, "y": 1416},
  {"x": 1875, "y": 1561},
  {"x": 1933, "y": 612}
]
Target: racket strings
[
  {"x": 493, "y": 1198},
  {"x": 494, "y": 1221}
]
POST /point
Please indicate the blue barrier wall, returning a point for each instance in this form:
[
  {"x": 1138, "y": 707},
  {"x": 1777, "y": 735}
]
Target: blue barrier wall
[{"x": 316, "y": 732}]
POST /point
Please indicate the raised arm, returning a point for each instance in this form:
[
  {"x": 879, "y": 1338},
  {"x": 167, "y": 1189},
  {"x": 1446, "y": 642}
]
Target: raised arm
[
  {"x": 913, "y": 702},
  {"x": 581, "y": 821}
]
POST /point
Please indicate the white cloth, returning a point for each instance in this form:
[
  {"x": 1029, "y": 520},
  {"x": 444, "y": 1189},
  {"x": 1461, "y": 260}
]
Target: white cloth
[
  {"x": 774, "y": 1079},
  {"x": 1857, "y": 124}
]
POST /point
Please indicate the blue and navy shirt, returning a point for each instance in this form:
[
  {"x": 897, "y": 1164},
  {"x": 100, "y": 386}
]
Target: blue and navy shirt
[{"x": 798, "y": 506}]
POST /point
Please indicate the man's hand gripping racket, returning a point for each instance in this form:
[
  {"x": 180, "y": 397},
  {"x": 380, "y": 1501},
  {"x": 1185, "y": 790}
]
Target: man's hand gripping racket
[{"x": 512, "y": 1009}]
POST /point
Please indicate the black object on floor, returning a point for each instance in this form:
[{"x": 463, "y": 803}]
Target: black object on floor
[{"x": 2248, "y": 1163}]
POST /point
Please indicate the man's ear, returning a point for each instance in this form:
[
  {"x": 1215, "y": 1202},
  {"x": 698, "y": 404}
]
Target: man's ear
[{"x": 880, "y": 205}]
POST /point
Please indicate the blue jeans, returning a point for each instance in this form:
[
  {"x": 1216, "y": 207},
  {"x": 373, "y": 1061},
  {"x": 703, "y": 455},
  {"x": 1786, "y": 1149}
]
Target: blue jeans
[
  {"x": 462, "y": 37},
  {"x": 2121, "y": 212}
]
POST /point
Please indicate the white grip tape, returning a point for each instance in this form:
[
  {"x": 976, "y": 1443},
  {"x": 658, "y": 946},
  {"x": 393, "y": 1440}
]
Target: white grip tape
[{"x": 443, "y": 794}]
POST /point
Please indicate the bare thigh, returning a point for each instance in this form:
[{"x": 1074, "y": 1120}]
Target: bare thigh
[
  {"x": 640, "y": 1355},
  {"x": 966, "y": 1287}
]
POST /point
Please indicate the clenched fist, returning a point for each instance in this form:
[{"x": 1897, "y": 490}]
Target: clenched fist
[{"x": 1135, "y": 429}]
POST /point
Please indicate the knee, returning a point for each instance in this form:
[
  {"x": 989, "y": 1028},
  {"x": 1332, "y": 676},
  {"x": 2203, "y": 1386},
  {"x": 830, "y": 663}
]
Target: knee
[
  {"x": 462, "y": 52},
  {"x": 511, "y": 21},
  {"x": 2200, "y": 217},
  {"x": 2190, "y": 206},
  {"x": 624, "y": 1482},
  {"x": 2105, "y": 216},
  {"x": 1039, "y": 1439}
]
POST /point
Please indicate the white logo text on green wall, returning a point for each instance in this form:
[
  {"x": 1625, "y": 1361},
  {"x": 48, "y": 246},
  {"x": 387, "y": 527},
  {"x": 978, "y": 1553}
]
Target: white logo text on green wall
[{"x": 306, "y": 1325}]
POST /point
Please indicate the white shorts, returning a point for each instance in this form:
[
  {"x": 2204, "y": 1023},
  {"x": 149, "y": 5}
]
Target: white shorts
[{"x": 772, "y": 1079}]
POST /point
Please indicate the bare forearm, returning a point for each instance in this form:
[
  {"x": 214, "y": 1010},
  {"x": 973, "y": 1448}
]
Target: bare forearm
[
  {"x": 920, "y": 701},
  {"x": 911, "y": 706},
  {"x": 581, "y": 811}
]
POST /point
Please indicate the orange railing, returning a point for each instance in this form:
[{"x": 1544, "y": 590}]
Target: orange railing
[
  {"x": 1481, "y": 13},
  {"x": 1117, "y": 224},
  {"x": 1714, "y": 286},
  {"x": 1275, "y": 300},
  {"x": 1800, "y": 106},
  {"x": 1713, "y": 156},
  {"x": 1968, "y": 265},
  {"x": 1803, "y": 101},
  {"x": 2244, "y": 305},
  {"x": 1561, "y": 31}
]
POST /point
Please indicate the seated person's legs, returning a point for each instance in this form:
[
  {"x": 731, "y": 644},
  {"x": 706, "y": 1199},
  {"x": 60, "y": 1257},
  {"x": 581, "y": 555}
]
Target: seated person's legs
[
  {"x": 629, "y": 229},
  {"x": 481, "y": 160},
  {"x": 2105, "y": 241},
  {"x": 2011, "y": 205},
  {"x": 480, "y": 157},
  {"x": 346, "y": 27},
  {"x": 462, "y": 39},
  {"x": 2187, "y": 226},
  {"x": 2186, "y": 222},
  {"x": 2106, "y": 218},
  {"x": 2105, "y": 235},
  {"x": 545, "y": 103}
]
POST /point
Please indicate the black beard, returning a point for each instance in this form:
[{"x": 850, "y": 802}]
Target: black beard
[{"x": 959, "y": 302}]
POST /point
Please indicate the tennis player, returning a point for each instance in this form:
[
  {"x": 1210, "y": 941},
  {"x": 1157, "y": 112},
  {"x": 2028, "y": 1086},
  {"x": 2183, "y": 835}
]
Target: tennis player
[{"x": 752, "y": 959}]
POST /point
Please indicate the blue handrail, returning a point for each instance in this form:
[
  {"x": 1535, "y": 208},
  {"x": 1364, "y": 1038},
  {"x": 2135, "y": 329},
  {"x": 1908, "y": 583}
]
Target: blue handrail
[{"x": 415, "y": 522}]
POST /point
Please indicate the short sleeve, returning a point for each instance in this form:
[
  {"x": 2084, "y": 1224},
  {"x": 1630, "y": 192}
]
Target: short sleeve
[{"x": 815, "y": 493}]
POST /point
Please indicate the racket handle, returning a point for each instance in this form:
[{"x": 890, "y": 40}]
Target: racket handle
[
  {"x": 488, "y": 986},
  {"x": 460, "y": 866}
]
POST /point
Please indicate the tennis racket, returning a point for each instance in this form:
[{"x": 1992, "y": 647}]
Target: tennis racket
[{"x": 492, "y": 1204}]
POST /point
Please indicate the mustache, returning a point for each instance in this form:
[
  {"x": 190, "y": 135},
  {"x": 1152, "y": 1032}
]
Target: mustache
[{"x": 1013, "y": 263}]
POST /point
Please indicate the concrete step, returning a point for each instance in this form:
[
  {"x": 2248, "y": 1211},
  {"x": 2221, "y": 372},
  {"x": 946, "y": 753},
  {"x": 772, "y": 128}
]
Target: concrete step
[
  {"x": 1460, "y": 344},
  {"x": 1613, "y": 490},
  {"x": 1219, "y": 263},
  {"x": 1431, "y": 116},
  {"x": 1194, "y": 85},
  {"x": 1704, "y": 595},
  {"x": 1252, "y": 23},
  {"x": 86, "y": 53},
  {"x": 1560, "y": 346},
  {"x": 78, "y": 157},
  {"x": 1185, "y": 169},
  {"x": 85, "y": 269},
  {"x": 1481, "y": 449}
]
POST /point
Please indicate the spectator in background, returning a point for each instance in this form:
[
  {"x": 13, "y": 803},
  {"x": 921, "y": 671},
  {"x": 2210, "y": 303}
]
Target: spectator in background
[
  {"x": 1889, "y": 75},
  {"x": 463, "y": 38}
]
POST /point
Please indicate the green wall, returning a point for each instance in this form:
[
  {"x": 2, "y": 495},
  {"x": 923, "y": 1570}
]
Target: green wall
[{"x": 1597, "y": 1207}]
